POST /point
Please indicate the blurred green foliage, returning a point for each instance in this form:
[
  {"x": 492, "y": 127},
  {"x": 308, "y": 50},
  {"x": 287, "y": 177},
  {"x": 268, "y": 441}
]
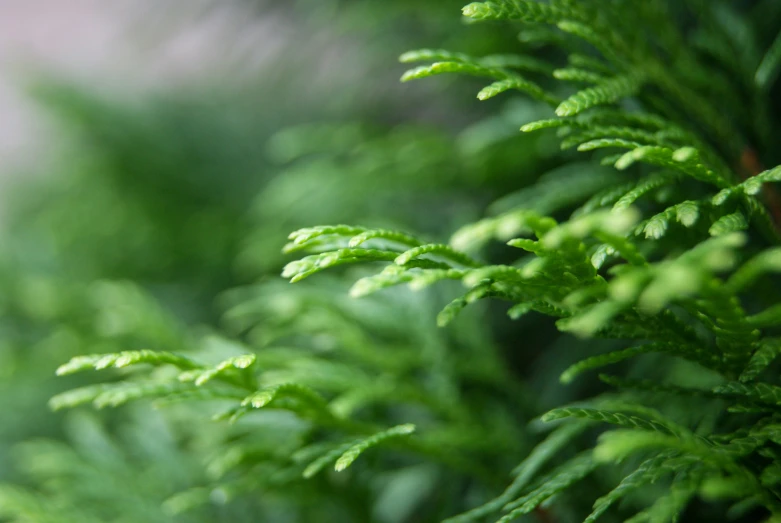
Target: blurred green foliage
[
  {"x": 156, "y": 204},
  {"x": 160, "y": 226}
]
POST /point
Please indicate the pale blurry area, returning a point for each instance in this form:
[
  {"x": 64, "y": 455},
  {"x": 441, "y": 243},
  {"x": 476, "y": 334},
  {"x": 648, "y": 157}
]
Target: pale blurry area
[{"x": 121, "y": 45}]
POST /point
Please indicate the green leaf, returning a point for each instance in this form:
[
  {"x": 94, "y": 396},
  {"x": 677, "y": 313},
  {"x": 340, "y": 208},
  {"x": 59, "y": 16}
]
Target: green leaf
[
  {"x": 382, "y": 234},
  {"x": 571, "y": 472},
  {"x": 227, "y": 369},
  {"x": 761, "y": 392},
  {"x": 519, "y": 84},
  {"x": 263, "y": 397},
  {"x": 687, "y": 213},
  {"x": 768, "y": 350},
  {"x": 323, "y": 461},
  {"x": 352, "y": 453},
  {"x": 643, "y": 187},
  {"x": 668, "y": 507},
  {"x": 604, "y": 416},
  {"x": 523, "y": 10},
  {"x": 573, "y": 74},
  {"x": 602, "y": 360},
  {"x": 443, "y": 251},
  {"x": 729, "y": 223},
  {"x": 309, "y": 265},
  {"x": 767, "y": 261},
  {"x": 453, "y": 308},
  {"x": 607, "y": 92},
  {"x": 546, "y": 450},
  {"x": 647, "y": 473},
  {"x": 770, "y": 66},
  {"x": 305, "y": 238},
  {"x": 115, "y": 394},
  {"x": 125, "y": 359}
]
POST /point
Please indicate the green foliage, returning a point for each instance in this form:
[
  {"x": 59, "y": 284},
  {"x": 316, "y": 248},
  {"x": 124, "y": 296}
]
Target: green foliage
[
  {"x": 341, "y": 394},
  {"x": 657, "y": 245},
  {"x": 594, "y": 273}
]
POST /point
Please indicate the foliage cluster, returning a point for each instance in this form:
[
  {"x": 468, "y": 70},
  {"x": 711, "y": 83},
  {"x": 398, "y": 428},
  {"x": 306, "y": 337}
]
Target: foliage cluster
[{"x": 652, "y": 243}]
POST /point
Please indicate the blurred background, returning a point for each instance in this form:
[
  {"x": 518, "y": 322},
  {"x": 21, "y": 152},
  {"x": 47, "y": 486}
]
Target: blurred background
[{"x": 154, "y": 157}]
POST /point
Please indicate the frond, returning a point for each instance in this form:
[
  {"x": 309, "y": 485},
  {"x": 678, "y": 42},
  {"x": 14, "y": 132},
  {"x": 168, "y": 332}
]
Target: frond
[
  {"x": 667, "y": 508},
  {"x": 544, "y": 452},
  {"x": 604, "y": 416},
  {"x": 601, "y": 360},
  {"x": 505, "y": 79},
  {"x": 571, "y": 472},
  {"x": 263, "y": 397},
  {"x": 649, "y": 472},
  {"x": 729, "y": 223},
  {"x": 768, "y": 350},
  {"x": 607, "y": 92},
  {"x": 125, "y": 359},
  {"x": 761, "y": 392},
  {"x": 114, "y": 395},
  {"x": 523, "y": 10},
  {"x": 770, "y": 66},
  {"x": 352, "y": 453}
]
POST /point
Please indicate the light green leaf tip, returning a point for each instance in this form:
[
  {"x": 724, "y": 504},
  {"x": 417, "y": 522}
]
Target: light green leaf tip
[{"x": 346, "y": 459}]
